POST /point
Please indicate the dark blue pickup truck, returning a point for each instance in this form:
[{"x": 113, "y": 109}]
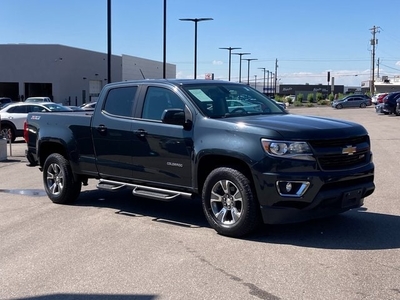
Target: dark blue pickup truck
[{"x": 246, "y": 157}]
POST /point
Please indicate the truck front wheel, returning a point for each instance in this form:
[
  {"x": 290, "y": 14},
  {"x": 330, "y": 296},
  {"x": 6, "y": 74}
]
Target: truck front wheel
[
  {"x": 59, "y": 182},
  {"x": 229, "y": 203}
]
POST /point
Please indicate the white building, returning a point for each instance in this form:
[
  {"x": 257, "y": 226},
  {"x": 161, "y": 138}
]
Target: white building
[{"x": 68, "y": 75}]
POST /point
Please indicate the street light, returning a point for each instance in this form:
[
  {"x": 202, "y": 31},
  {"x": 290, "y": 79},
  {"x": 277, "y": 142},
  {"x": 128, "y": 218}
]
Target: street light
[
  {"x": 230, "y": 52},
  {"x": 272, "y": 83},
  {"x": 248, "y": 68},
  {"x": 109, "y": 41},
  {"x": 165, "y": 41},
  {"x": 196, "y": 20},
  {"x": 240, "y": 64},
  {"x": 264, "y": 70}
]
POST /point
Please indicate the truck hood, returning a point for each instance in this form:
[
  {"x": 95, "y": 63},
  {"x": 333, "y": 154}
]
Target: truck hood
[{"x": 296, "y": 127}]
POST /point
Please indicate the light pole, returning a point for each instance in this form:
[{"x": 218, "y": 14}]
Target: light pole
[
  {"x": 272, "y": 83},
  {"x": 165, "y": 41},
  {"x": 240, "y": 64},
  {"x": 268, "y": 82},
  {"x": 230, "y": 53},
  {"x": 248, "y": 68},
  {"x": 264, "y": 70},
  {"x": 196, "y": 20},
  {"x": 255, "y": 81},
  {"x": 109, "y": 41}
]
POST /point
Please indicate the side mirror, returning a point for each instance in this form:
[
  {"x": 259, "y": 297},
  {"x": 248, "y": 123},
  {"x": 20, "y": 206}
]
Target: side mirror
[
  {"x": 174, "y": 116},
  {"x": 178, "y": 116}
]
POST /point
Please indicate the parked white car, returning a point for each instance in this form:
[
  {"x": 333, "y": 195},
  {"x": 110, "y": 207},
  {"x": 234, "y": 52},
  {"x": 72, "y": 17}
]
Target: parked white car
[
  {"x": 38, "y": 99},
  {"x": 14, "y": 115}
]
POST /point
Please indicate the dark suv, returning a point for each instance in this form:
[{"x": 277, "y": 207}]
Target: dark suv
[
  {"x": 4, "y": 101},
  {"x": 389, "y": 103}
]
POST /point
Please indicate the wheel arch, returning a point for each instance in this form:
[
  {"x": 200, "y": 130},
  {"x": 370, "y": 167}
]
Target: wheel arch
[
  {"x": 47, "y": 148},
  {"x": 9, "y": 123},
  {"x": 210, "y": 162}
]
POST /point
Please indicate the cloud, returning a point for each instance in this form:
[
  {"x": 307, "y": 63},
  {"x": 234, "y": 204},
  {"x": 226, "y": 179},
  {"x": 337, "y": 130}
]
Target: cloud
[
  {"x": 217, "y": 62},
  {"x": 397, "y": 63}
]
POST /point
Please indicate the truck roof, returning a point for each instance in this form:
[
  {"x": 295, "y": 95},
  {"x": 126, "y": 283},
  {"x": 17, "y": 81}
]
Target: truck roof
[{"x": 173, "y": 81}]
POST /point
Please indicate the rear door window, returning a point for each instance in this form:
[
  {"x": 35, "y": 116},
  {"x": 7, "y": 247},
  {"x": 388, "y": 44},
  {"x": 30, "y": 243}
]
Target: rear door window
[
  {"x": 120, "y": 101},
  {"x": 21, "y": 109}
]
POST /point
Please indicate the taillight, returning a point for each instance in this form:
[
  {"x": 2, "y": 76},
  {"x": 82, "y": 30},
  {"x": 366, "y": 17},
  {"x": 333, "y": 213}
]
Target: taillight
[{"x": 26, "y": 135}]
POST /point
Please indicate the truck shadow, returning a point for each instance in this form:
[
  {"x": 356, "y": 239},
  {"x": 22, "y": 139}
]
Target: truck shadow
[
  {"x": 353, "y": 230},
  {"x": 179, "y": 212}
]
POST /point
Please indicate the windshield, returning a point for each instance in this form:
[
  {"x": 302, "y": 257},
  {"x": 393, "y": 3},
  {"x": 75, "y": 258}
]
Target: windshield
[
  {"x": 217, "y": 100},
  {"x": 56, "y": 107}
]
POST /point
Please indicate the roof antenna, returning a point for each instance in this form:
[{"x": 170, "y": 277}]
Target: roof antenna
[{"x": 142, "y": 74}]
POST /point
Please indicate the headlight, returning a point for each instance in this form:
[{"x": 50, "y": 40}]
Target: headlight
[{"x": 287, "y": 149}]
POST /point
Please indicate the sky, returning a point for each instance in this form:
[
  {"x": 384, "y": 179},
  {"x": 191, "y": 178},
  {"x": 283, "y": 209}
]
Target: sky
[{"x": 307, "y": 38}]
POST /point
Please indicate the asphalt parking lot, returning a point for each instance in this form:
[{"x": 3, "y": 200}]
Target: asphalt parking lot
[{"x": 114, "y": 246}]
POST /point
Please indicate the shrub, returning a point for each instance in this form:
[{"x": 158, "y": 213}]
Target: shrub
[
  {"x": 299, "y": 98},
  {"x": 319, "y": 97},
  {"x": 310, "y": 98},
  {"x": 324, "y": 102},
  {"x": 297, "y": 103}
]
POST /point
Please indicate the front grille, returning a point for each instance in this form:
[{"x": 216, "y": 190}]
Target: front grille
[
  {"x": 330, "y": 156},
  {"x": 334, "y": 162},
  {"x": 340, "y": 142}
]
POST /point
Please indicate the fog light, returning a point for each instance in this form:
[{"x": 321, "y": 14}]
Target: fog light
[{"x": 292, "y": 188}]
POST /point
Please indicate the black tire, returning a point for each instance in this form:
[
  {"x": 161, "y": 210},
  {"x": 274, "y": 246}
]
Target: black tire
[
  {"x": 363, "y": 105},
  {"x": 339, "y": 106},
  {"x": 230, "y": 217},
  {"x": 58, "y": 180},
  {"x": 8, "y": 132}
]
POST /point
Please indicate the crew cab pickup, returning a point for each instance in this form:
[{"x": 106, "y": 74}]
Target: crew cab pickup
[{"x": 247, "y": 158}]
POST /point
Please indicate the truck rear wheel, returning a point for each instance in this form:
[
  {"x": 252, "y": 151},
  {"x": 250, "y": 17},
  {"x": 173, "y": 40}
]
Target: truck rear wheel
[
  {"x": 59, "y": 182},
  {"x": 229, "y": 203}
]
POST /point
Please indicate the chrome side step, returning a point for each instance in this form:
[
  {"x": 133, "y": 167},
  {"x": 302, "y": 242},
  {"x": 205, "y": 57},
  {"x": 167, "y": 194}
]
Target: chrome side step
[
  {"x": 102, "y": 185},
  {"x": 155, "y": 194},
  {"x": 142, "y": 191}
]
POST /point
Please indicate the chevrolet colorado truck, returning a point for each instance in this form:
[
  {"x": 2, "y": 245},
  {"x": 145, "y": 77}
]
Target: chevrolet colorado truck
[{"x": 248, "y": 159}]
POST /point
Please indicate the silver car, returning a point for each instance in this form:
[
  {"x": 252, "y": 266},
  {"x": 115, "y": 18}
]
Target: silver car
[{"x": 352, "y": 101}]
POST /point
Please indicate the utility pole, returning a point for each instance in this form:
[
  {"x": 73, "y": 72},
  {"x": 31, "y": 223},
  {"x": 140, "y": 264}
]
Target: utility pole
[{"x": 374, "y": 42}]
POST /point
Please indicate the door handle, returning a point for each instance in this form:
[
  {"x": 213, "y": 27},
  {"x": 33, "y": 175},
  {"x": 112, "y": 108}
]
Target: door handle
[
  {"x": 102, "y": 129},
  {"x": 140, "y": 132}
]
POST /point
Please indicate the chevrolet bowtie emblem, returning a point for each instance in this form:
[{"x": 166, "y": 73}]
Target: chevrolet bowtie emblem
[{"x": 349, "y": 150}]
